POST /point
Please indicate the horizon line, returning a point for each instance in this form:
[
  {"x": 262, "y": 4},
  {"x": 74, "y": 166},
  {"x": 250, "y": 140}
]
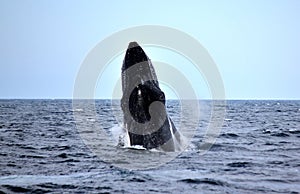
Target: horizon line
[{"x": 59, "y": 98}]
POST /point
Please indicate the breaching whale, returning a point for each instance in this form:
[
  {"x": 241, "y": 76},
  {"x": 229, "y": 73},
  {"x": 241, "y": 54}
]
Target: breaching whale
[{"x": 143, "y": 104}]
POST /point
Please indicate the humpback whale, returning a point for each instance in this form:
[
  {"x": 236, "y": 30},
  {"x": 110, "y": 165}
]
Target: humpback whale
[{"x": 143, "y": 104}]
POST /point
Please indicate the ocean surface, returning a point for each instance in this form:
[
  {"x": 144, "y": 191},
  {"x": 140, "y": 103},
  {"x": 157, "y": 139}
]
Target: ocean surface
[{"x": 42, "y": 150}]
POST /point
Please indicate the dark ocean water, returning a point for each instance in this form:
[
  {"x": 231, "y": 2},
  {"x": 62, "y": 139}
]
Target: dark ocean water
[{"x": 258, "y": 151}]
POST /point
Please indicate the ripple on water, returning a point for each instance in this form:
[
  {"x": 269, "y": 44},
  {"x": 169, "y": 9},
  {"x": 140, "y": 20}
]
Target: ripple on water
[
  {"x": 240, "y": 164},
  {"x": 209, "y": 181}
]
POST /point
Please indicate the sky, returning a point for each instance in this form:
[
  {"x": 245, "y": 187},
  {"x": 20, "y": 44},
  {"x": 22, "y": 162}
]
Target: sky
[{"x": 255, "y": 44}]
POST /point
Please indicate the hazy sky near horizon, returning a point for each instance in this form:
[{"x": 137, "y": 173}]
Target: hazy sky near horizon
[{"x": 255, "y": 44}]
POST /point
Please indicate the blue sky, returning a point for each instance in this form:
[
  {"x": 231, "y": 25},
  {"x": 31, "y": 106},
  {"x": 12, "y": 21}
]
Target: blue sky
[{"x": 255, "y": 44}]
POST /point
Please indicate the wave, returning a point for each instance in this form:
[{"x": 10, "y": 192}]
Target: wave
[{"x": 203, "y": 181}]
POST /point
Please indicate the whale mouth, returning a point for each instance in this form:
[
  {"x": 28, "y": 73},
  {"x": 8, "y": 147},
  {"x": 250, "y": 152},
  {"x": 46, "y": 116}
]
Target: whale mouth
[
  {"x": 143, "y": 102},
  {"x": 137, "y": 67},
  {"x": 139, "y": 84},
  {"x": 134, "y": 54}
]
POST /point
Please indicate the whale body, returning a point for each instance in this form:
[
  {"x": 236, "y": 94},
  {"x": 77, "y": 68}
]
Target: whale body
[{"x": 143, "y": 104}]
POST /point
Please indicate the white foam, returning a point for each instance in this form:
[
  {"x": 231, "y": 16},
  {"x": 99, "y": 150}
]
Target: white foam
[
  {"x": 121, "y": 138},
  {"x": 135, "y": 147},
  {"x": 120, "y": 135}
]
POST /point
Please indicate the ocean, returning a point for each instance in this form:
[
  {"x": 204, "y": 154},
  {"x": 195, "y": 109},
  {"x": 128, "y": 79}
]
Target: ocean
[{"x": 42, "y": 151}]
